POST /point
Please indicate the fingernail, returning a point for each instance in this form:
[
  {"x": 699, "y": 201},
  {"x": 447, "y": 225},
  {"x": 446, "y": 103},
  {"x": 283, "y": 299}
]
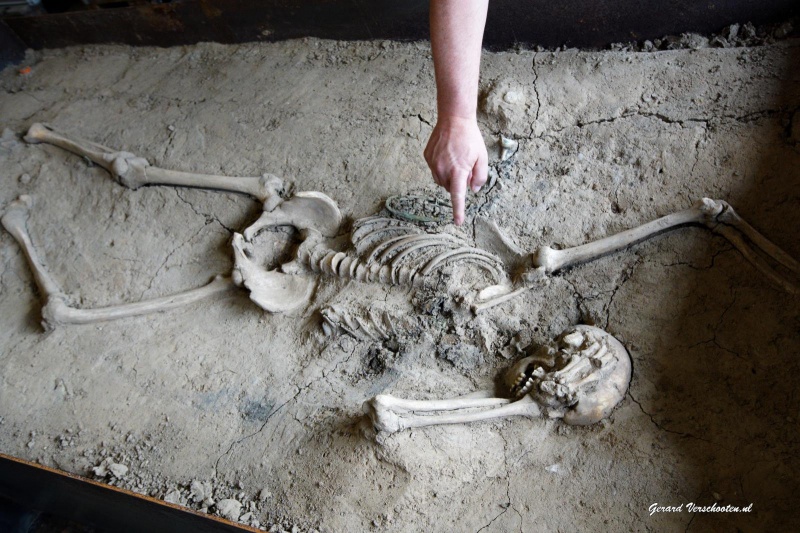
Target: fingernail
[{"x": 476, "y": 188}]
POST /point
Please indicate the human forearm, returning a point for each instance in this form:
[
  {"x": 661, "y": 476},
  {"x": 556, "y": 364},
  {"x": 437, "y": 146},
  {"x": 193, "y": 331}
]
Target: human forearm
[
  {"x": 455, "y": 151},
  {"x": 456, "y": 37}
]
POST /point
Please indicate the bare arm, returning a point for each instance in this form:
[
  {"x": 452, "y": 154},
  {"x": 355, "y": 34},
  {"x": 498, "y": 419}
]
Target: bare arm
[{"x": 455, "y": 152}]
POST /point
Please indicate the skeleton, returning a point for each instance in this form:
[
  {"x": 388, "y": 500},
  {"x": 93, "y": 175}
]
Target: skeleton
[
  {"x": 580, "y": 379},
  {"x": 385, "y": 250}
]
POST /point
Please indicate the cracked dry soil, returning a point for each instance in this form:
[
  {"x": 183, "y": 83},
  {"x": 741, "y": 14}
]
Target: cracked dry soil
[{"x": 267, "y": 410}]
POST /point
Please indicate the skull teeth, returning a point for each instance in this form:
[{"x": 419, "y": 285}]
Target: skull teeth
[{"x": 524, "y": 389}]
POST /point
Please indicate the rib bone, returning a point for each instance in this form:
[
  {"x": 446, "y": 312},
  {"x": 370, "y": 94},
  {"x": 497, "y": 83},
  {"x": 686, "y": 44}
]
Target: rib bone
[
  {"x": 57, "y": 311},
  {"x": 563, "y": 382}
]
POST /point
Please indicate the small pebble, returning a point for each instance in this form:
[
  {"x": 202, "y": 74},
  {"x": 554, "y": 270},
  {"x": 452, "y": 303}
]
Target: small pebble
[
  {"x": 25, "y": 179},
  {"x": 229, "y": 508}
]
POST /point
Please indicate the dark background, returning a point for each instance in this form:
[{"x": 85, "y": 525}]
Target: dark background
[{"x": 575, "y": 23}]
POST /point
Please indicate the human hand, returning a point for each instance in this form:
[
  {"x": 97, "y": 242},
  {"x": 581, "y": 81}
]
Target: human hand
[{"x": 457, "y": 158}]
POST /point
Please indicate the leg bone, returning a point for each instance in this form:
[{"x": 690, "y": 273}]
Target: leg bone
[
  {"x": 57, "y": 311},
  {"x": 134, "y": 172},
  {"x": 15, "y": 221}
]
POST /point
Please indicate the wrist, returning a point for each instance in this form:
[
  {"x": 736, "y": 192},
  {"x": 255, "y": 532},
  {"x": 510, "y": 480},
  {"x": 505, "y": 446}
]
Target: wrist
[
  {"x": 455, "y": 110},
  {"x": 451, "y": 119}
]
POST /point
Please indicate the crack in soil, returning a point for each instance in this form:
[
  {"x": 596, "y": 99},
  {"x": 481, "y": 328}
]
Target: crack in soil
[{"x": 281, "y": 406}]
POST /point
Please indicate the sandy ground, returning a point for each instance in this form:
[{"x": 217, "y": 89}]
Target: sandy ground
[{"x": 266, "y": 409}]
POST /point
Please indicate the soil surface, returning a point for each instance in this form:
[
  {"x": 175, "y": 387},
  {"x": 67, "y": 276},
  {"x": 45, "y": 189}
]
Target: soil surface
[{"x": 223, "y": 407}]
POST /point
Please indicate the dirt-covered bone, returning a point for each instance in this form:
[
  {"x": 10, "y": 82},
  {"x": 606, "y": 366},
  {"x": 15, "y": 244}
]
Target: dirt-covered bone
[
  {"x": 305, "y": 210},
  {"x": 579, "y": 378},
  {"x": 717, "y": 215},
  {"x": 57, "y": 311},
  {"x": 392, "y": 252},
  {"x": 271, "y": 290},
  {"x": 134, "y": 172}
]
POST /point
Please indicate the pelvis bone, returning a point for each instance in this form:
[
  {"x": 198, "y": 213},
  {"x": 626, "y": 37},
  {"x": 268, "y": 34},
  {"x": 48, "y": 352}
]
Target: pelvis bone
[{"x": 580, "y": 378}]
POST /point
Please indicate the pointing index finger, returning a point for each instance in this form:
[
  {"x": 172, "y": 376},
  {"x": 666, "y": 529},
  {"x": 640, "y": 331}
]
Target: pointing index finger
[{"x": 458, "y": 193}]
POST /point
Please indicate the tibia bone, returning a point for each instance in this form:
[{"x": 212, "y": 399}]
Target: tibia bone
[
  {"x": 15, "y": 220},
  {"x": 134, "y": 172}
]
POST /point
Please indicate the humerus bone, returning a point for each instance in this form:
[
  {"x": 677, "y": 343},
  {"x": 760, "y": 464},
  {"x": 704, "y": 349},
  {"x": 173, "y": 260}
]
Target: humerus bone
[
  {"x": 717, "y": 215},
  {"x": 57, "y": 311},
  {"x": 581, "y": 379},
  {"x": 134, "y": 172}
]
